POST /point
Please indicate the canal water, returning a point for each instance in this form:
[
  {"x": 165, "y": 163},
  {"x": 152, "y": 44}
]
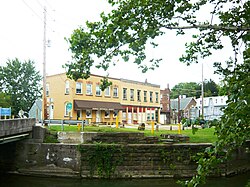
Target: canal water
[{"x": 27, "y": 181}]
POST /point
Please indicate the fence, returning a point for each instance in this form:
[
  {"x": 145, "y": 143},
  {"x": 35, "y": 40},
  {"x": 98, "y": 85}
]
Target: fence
[{"x": 62, "y": 122}]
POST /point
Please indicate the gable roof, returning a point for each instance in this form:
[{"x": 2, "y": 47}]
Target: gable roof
[{"x": 183, "y": 103}]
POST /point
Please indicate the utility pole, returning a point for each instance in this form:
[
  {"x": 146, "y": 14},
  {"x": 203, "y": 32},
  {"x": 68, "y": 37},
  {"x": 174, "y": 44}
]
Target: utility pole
[
  {"x": 179, "y": 109},
  {"x": 202, "y": 92},
  {"x": 44, "y": 67}
]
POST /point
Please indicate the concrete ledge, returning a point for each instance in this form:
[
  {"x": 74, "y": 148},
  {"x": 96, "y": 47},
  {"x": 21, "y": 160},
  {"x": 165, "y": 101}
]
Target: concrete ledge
[
  {"x": 49, "y": 170},
  {"x": 11, "y": 127}
]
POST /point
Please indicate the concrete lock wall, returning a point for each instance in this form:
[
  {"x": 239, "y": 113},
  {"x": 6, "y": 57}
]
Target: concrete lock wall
[
  {"x": 127, "y": 160},
  {"x": 48, "y": 159}
]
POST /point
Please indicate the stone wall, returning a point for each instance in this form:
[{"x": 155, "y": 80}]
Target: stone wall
[
  {"x": 115, "y": 155},
  {"x": 142, "y": 160},
  {"x": 117, "y": 160}
]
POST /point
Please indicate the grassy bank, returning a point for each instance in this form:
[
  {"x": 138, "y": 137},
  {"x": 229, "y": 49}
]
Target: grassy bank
[{"x": 201, "y": 136}]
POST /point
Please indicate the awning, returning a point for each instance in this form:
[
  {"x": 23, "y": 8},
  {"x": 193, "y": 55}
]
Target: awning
[{"x": 96, "y": 105}]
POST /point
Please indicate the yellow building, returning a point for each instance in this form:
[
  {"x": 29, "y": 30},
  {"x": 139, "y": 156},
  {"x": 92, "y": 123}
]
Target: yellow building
[{"x": 132, "y": 101}]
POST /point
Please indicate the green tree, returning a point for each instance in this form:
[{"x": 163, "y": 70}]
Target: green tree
[
  {"x": 4, "y": 100},
  {"x": 190, "y": 89},
  {"x": 21, "y": 82},
  {"x": 234, "y": 128},
  {"x": 210, "y": 88},
  {"x": 133, "y": 24}
]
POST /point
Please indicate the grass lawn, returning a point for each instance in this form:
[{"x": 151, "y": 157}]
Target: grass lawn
[{"x": 201, "y": 136}]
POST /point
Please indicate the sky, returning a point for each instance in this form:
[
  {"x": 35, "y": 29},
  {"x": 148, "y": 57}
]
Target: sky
[{"x": 22, "y": 33}]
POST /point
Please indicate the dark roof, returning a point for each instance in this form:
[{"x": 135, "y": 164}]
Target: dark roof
[
  {"x": 183, "y": 103},
  {"x": 96, "y": 105}
]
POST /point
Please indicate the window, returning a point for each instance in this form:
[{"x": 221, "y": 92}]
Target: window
[
  {"x": 67, "y": 87},
  {"x": 78, "y": 87},
  {"x": 66, "y": 110},
  {"x": 131, "y": 94},
  {"x": 47, "y": 90},
  {"x": 156, "y": 97},
  {"x": 115, "y": 113},
  {"x": 88, "y": 113},
  {"x": 138, "y": 95},
  {"x": 153, "y": 116},
  {"x": 148, "y": 116},
  {"x": 151, "y": 97},
  {"x": 124, "y": 93},
  {"x": 115, "y": 92},
  {"x": 89, "y": 89},
  {"x": 145, "y": 96},
  {"x": 98, "y": 91},
  {"x": 107, "y": 91},
  {"x": 107, "y": 113}
]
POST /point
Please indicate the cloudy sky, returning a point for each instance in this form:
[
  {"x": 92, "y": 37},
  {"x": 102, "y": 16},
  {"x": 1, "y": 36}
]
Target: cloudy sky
[{"x": 21, "y": 36}]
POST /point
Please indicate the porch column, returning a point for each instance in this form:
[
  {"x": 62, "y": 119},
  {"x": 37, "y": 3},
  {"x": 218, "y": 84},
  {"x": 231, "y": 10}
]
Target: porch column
[
  {"x": 159, "y": 117},
  {"x": 132, "y": 117},
  {"x": 120, "y": 116},
  {"x": 127, "y": 114},
  {"x": 151, "y": 114},
  {"x": 137, "y": 110}
]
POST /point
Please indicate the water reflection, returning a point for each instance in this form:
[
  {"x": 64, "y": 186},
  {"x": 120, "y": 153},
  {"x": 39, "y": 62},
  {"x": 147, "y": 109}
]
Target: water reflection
[{"x": 19, "y": 181}]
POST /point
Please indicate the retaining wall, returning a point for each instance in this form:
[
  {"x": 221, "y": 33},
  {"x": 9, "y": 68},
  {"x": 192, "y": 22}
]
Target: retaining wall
[{"x": 127, "y": 160}]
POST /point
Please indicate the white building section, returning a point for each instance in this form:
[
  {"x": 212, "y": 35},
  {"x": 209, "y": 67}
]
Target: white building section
[{"x": 213, "y": 106}]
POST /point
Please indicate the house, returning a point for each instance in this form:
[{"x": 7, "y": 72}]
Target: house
[
  {"x": 185, "y": 107},
  {"x": 36, "y": 110},
  {"x": 128, "y": 100},
  {"x": 165, "y": 106},
  {"x": 213, "y": 106}
]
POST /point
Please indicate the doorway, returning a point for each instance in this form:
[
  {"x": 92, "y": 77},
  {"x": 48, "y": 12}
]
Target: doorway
[{"x": 98, "y": 116}]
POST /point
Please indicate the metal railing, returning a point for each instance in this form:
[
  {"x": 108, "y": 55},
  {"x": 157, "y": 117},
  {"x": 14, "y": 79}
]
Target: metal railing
[{"x": 64, "y": 121}]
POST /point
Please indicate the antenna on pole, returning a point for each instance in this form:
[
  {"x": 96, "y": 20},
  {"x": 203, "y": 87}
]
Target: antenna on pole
[{"x": 44, "y": 67}]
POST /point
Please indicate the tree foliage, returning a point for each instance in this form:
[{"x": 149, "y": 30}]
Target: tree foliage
[
  {"x": 21, "y": 82},
  {"x": 193, "y": 89},
  {"x": 133, "y": 24},
  {"x": 190, "y": 89},
  {"x": 234, "y": 127},
  {"x": 5, "y": 101},
  {"x": 210, "y": 88}
]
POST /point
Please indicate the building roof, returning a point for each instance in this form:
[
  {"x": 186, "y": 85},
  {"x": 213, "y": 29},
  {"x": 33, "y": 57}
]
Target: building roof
[
  {"x": 96, "y": 105},
  {"x": 183, "y": 103},
  {"x": 120, "y": 79},
  {"x": 141, "y": 83}
]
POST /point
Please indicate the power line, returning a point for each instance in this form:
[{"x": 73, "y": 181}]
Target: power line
[
  {"x": 185, "y": 89},
  {"x": 39, "y": 3},
  {"x": 32, "y": 10},
  {"x": 48, "y": 14},
  {"x": 36, "y": 12},
  {"x": 49, "y": 5}
]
